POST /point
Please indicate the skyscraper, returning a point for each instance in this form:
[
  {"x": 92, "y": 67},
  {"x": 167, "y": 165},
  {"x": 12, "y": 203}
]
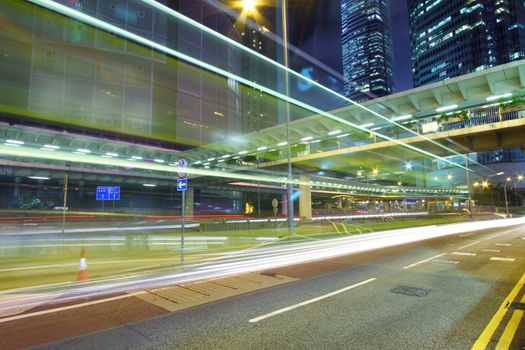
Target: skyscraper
[
  {"x": 367, "y": 48},
  {"x": 454, "y": 37}
]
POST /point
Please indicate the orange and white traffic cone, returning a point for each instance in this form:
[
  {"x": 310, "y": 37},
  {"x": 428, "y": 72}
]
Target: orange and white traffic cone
[{"x": 82, "y": 275}]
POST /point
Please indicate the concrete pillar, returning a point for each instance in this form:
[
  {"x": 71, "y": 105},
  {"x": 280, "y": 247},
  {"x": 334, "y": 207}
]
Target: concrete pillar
[
  {"x": 188, "y": 205},
  {"x": 16, "y": 191},
  {"x": 284, "y": 204},
  {"x": 305, "y": 198},
  {"x": 340, "y": 203}
]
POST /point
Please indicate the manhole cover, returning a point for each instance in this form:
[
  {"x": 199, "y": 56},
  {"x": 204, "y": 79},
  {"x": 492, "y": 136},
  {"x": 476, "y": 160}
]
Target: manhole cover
[
  {"x": 411, "y": 291},
  {"x": 516, "y": 306}
]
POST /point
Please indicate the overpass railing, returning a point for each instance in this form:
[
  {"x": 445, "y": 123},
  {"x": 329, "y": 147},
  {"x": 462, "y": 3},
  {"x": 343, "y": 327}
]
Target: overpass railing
[{"x": 479, "y": 117}]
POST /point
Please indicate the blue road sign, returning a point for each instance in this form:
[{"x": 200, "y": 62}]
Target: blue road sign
[
  {"x": 182, "y": 184},
  {"x": 108, "y": 193}
]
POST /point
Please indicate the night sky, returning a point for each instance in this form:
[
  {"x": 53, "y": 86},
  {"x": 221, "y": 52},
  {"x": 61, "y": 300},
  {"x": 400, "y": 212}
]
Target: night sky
[{"x": 315, "y": 27}]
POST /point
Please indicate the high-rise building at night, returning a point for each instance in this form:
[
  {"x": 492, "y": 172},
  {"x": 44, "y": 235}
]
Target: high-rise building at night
[
  {"x": 455, "y": 37},
  {"x": 367, "y": 49}
]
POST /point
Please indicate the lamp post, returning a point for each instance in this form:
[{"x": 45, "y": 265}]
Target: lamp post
[
  {"x": 249, "y": 6},
  {"x": 468, "y": 187},
  {"x": 287, "y": 112}
]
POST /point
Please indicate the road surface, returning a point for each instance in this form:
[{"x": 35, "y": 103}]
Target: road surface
[{"x": 444, "y": 293}]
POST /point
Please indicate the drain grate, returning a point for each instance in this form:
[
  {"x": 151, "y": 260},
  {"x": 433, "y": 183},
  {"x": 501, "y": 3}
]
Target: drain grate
[
  {"x": 411, "y": 291},
  {"x": 516, "y": 306}
]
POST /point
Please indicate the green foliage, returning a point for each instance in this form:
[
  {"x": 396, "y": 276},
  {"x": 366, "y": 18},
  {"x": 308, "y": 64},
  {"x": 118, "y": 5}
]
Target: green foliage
[
  {"x": 445, "y": 117},
  {"x": 517, "y": 99}
]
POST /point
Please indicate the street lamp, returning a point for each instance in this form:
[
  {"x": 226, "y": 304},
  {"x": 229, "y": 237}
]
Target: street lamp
[{"x": 250, "y": 6}]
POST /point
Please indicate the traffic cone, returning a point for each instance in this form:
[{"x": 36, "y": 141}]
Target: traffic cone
[{"x": 82, "y": 275}]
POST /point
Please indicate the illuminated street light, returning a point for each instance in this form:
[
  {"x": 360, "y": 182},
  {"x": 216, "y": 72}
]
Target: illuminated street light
[
  {"x": 475, "y": 184},
  {"x": 375, "y": 172},
  {"x": 446, "y": 108},
  {"x": 449, "y": 177},
  {"x": 520, "y": 177},
  {"x": 485, "y": 184},
  {"x": 248, "y": 5}
]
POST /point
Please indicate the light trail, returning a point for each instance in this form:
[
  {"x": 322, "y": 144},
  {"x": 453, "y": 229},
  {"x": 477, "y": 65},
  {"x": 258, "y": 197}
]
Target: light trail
[
  {"x": 97, "y": 23},
  {"x": 266, "y": 257}
]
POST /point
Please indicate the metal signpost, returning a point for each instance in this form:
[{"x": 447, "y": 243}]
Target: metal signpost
[
  {"x": 64, "y": 205},
  {"x": 275, "y": 206},
  {"x": 182, "y": 185}
]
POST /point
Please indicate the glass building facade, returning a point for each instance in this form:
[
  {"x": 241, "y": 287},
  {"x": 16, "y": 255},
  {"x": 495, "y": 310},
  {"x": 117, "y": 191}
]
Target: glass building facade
[
  {"x": 367, "y": 49},
  {"x": 455, "y": 37}
]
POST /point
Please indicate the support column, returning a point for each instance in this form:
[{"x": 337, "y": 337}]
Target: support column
[
  {"x": 339, "y": 202},
  {"x": 284, "y": 205},
  {"x": 188, "y": 206},
  {"x": 16, "y": 191},
  {"x": 305, "y": 198}
]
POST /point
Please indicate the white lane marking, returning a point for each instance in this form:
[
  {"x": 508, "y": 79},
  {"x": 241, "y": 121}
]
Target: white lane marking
[
  {"x": 491, "y": 250},
  {"x": 503, "y": 244},
  {"x": 495, "y": 258},
  {"x": 445, "y": 261},
  {"x": 523, "y": 238},
  {"x": 464, "y": 254},
  {"x": 288, "y": 308},
  {"x": 424, "y": 261},
  {"x": 469, "y": 245},
  {"x": 69, "y": 307},
  {"x": 467, "y": 234}
]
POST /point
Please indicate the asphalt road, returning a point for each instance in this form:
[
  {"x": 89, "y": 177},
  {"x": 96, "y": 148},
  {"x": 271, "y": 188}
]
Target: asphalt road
[{"x": 348, "y": 303}]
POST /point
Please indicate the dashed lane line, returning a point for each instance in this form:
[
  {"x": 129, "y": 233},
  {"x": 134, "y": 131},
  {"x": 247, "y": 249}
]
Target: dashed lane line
[
  {"x": 503, "y": 244},
  {"x": 469, "y": 245},
  {"x": 491, "y": 250},
  {"x": 496, "y": 258},
  {"x": 424, "y": 261},
  {"x": 464, "y": 254},
  {"x": 289, "y": 308}
]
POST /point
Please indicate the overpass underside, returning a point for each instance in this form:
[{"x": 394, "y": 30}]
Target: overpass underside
[{"x": 505, "y": 134}]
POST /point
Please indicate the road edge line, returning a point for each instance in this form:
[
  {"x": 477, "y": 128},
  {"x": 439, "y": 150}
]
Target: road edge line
[
  {"x": 485, "y": 336},
  {"x": 64, "y": 308}
]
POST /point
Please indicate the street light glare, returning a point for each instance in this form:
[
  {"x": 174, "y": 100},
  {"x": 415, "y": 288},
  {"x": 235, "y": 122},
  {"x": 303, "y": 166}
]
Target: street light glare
[{"x": 248, "y": 5}]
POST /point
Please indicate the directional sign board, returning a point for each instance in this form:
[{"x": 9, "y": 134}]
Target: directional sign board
[
  {"x": 182, "y": 184},
  {"x": 183, "y": 163},
  {"x": 108, "y": 193}
]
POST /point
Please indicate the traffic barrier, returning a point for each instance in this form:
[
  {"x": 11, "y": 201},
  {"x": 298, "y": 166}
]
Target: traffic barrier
[{"x": 82, "y": 275}]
